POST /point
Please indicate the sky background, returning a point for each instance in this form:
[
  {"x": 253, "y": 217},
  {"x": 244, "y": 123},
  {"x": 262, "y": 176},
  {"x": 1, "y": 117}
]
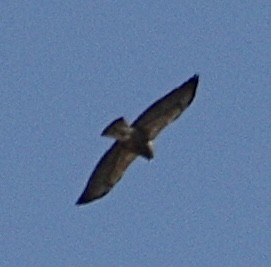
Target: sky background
[{"x": 68, "y": 68}]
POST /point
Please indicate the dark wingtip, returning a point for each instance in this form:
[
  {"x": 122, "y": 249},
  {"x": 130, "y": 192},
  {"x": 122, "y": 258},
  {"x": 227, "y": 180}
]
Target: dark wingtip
[
  {"x": 82, "y": 200},
  {"x": 85, "y": 198},
  {"x": 195, "y": 78},
  {"x": 79, "y": 202}
]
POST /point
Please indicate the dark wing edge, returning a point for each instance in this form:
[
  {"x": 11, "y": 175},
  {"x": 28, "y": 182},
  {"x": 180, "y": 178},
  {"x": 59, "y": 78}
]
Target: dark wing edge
[
  {"x": 107, "y": 173},
  {"x": 167, "y": 109}
]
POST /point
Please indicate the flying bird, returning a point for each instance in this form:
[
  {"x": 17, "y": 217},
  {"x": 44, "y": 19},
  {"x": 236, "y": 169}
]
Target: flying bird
[{"x": 136, "y": 140}]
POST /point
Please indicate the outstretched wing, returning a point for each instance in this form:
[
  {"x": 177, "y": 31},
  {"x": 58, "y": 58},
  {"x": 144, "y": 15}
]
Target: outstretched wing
[
  {"x": 107, "y": 173},
  {"x": 167, "y": 109}
]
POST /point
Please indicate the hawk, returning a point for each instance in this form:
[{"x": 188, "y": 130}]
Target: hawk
[{"x": 136, "y": 139}]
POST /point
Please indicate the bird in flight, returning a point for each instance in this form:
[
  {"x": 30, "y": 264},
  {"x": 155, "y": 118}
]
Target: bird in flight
[{"x": 136, "y": 139}]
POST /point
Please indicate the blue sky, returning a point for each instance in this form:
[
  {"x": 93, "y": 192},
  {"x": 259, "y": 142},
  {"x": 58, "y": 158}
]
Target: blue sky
[{"x": 68, "y": 68}]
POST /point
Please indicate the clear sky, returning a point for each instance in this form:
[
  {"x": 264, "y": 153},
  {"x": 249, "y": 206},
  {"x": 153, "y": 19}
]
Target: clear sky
[{"x": 68, "y": 68}]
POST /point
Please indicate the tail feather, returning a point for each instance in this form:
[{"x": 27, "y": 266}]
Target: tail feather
[{"x": 118, "y": 129}]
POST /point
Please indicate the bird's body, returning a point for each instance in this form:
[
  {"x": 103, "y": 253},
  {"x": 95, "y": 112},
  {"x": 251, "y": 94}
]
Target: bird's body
[
  {"x": 131, "y": 138},
  {"x": 136, "y": 139}
]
